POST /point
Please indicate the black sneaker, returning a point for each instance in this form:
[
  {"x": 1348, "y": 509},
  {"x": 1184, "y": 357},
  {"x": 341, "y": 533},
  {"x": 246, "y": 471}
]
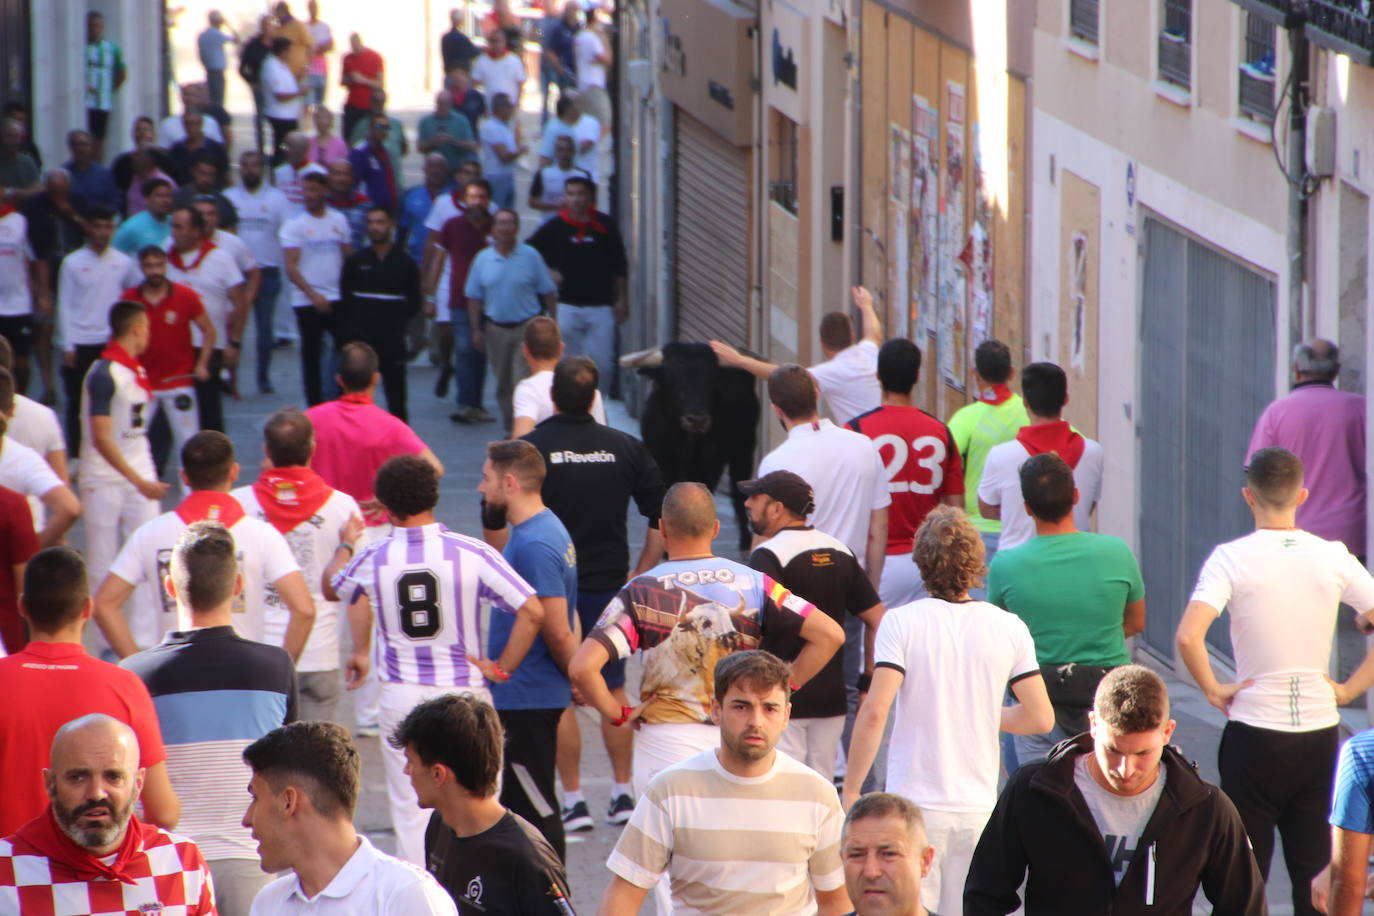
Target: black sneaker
[
  {"x": 577, "y": 818},
  {"x": 621, "y": 809}
]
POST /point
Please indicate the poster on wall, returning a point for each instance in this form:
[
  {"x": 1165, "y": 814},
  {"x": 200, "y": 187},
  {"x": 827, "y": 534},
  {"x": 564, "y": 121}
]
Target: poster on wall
[
  {"x": 1078, "y": 286},
  {"x": 978, "y": 253},
  {"x": 953, "y": 279},
  {"x": 899, "y": 238},
  {"x": 925, "y": 207}
]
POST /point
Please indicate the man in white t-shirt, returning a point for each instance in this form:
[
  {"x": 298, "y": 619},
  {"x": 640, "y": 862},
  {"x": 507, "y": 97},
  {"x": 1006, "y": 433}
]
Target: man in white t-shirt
[
  {"x": 17, "y": 293},
  {"x": 208, "y": 469},
  {"x": 119, "y": 483},
  {"x": 262, "y": 211},
  {"x": 1283, "y": 587},
  {"x": 947, "y": 661},
  {"x": 500, "y": 151},
  {"x": 323, "y": 526},
  {"x": 314, "y": 244},
  {"x": 287, "y": 177},
  {"x": 1046, "y": 391},
  {"x": 592, "y": 56},
  {"x": 498, "y": 70},
  {"x": 89, "y": 281},
  {"x": 35, "y": 425},
  {"x": 533, "y": 399},
  {"x": 24, "y": 471},
  {"x": 571, "y": 121},
  {"x": 1158, "y": 832},
  {"x": 283, "y": 94},
  {"x": 546, "y": 190},
  {"x": 194, "y": 260},
  {"x": 848, "y": 379}
]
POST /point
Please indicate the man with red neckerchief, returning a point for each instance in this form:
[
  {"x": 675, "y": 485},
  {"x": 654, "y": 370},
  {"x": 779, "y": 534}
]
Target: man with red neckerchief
[
  {"x": 271, "y": 577},
  {"x": 172, "y": 361},
  {"x": 323, "y": 526},
  {"x": 118, "y": 482},
  {"x": 583, "y": 248},
  {"x": 87, "y": 854}
]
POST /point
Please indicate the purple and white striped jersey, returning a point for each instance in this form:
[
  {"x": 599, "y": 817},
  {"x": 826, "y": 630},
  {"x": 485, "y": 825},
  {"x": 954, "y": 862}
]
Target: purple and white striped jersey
[{"x": 431, "y": 590}]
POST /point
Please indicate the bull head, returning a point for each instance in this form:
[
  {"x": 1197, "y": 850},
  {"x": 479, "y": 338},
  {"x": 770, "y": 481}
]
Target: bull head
[{"x": 642, "y": 358}]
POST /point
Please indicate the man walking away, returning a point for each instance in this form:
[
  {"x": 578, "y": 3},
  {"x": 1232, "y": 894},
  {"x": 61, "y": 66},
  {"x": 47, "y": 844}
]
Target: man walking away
[
  {"x": 533, "y": 399},
  {"x": 1283, "y": 587},
  {"x": 215, "y": 693},
  {"x": 1115, "y": 822}
]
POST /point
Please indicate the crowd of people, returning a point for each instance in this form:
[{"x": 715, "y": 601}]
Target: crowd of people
[{"x": 914, "y": 695}]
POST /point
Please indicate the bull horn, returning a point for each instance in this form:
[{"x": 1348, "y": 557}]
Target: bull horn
[{"x": 651, "y": 357}]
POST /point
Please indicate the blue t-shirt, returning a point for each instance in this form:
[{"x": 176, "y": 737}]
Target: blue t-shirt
[
  {"x": 541, "y": 551},
  {"x": 509, "y": 285},
  {"x": 1352, "y": 800}
]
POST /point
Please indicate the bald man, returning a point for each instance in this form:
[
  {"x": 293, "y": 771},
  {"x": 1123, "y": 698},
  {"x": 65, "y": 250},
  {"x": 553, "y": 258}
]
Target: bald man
[{"x": 92, "y": 780}]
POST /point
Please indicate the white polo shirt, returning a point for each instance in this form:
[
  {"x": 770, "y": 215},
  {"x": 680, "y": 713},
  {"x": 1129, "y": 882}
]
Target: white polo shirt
[
  {"x": 261, "y": 215},
  {"x": 370, "y": 882},
  {"x": 87, "y": 285},
  {"x": 15, "y": 256},
  {"x": 320, "y": 240},
  {"x": 849, "y": 381},
  {"x": 846, "y": 475},
  {"x": 263, "y": 555},
  {"x": 212, "y": 275},
  {"x": 1283, "y": 589},
  {"x": 312, "y": 543},
  {"x": 1001, "y": 486},
  {"x": 499, "y": 76}
]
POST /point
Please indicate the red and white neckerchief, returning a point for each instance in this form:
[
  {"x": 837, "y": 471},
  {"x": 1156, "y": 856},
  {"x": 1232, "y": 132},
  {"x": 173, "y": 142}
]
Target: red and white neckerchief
[
  {"x": 174, "y": 256},
  {"x": 116, "y": 353},
  {"x": 210, "y": 506}
]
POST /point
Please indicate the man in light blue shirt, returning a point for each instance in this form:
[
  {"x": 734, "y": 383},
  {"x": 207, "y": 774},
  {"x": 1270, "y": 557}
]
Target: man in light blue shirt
[
  {"x": 210, "y": 44},
  {"x": 507, "y": 285},
  {"x": 152, "y": 226}
]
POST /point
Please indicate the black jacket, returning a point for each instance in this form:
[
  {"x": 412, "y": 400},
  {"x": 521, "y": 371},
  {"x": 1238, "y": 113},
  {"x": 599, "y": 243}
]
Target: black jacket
[{"x": 1042, "y": 824}]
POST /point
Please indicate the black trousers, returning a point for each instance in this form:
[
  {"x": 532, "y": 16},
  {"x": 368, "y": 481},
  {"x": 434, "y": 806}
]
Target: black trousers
[
  {"x": 527, "y": 781},
  {"x": 280, "y": 128},
  {"x": 313, "y": 325},
  {"x": 71, "y": 384},
  {"x": 1283, "y": 780},
  {"x": 352, "y": 116},
  {"x": 210, "y": 395}
]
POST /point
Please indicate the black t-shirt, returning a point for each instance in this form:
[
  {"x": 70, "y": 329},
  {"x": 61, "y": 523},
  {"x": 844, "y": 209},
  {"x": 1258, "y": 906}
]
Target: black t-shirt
[
  {"x": 508, "y": 870},
  {"x": 815, "y": 566},
  {"x": 590, "y": 259},
  {"x": 593, "y": 472},
  {"x": 377, "y": 297}
]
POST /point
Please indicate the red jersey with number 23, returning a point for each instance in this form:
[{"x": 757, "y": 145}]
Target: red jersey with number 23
[{"x": 920, "y": 461}]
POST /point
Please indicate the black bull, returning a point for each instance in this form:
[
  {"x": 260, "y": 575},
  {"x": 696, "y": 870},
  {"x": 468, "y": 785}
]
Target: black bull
[{"x": 700, "y": 419}]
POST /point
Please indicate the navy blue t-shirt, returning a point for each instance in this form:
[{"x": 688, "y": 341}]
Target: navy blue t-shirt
[{"x": 541, "y": 551}]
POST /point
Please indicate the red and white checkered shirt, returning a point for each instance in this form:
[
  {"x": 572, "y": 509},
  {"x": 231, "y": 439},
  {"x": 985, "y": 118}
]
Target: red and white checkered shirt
[{"x": 170, "y": 878}]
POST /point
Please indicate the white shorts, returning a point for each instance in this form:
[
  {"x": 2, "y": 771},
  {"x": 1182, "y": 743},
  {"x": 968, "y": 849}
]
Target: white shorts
[
  {"x": 658, "y": 747},
  {"x": 953, "y": 835},
  {"x": 814, "y": 742},
  {"x": 901, "y": 581}
]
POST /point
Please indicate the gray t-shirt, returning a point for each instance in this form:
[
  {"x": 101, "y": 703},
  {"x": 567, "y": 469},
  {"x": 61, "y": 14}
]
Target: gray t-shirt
[{"x": 1121, "y": 819}]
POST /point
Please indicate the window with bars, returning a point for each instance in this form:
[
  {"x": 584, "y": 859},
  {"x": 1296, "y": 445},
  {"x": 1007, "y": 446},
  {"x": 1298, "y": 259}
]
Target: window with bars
[
  {"x": 782, "y": 161},
  {"x": 1083, "y": 20},
  {"x": 1257, "y": 67},
  {"x": 1176, "y": 43}
]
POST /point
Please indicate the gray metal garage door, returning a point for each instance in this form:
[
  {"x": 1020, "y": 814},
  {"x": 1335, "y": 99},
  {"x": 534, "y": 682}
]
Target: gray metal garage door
[{"x": 1207, "y": 334}]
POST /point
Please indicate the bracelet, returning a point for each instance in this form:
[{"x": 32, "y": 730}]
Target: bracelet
[
  {"x": 625, "y": 713},
  {"x": 347, "y": 546},
  {"x": 793, "y": 686},
  {"x": 865, "y": 681},
  {"x": 501, "y": 675}
]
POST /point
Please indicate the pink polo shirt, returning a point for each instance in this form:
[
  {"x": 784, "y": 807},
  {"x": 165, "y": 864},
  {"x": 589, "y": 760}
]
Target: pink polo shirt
[
  {"x": 1324, "y": 427},
  {"x": 353, "y": 438}
]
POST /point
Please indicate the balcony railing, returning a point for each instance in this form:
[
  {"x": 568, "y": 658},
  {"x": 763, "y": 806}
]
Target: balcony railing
[
  {"x": 1083, "y": 20},
  {"x": 1256, "y": 93},
  {"x": 1343, "y": 26},
  {"x": 1175, "y": 59}
]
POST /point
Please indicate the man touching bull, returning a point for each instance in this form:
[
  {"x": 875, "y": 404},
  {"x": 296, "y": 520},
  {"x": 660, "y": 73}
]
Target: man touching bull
[{"x": 593, "y": 472}]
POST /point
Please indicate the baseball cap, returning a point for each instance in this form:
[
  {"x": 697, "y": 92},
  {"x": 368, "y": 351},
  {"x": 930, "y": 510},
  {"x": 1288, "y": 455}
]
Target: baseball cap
[{"x": 786, "y": 487}]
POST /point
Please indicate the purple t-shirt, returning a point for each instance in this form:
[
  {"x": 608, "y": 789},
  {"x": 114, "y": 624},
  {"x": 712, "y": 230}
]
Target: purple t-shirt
[{"x": 1324, "y": 427}]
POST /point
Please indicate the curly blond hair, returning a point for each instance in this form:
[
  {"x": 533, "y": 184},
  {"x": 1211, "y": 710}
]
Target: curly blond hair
[{"x": 949, "y": 553}]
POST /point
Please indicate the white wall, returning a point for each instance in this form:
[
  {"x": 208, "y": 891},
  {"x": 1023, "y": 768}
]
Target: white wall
[{"x": 1120, "y": 283}]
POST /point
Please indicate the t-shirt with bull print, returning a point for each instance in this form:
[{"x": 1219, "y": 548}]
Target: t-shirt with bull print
[{"x": 686, "y": 615}]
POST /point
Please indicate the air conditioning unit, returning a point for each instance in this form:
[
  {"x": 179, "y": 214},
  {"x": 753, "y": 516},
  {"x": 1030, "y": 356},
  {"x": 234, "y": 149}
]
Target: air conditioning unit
[
  {"x": 639, "y": 74},
  {"x": 1321, "y": 142}
]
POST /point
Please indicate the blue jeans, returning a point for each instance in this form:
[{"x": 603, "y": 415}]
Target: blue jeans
[
  {"x": 469, "y": 364},
  {"x": 1035, "y": 748},
  {"x": 589, "y": 330},
  {"x": 589, "y": 608},
  {"x": 502, "y": 192},
  {"x": 990, "y": 540},
  {"x": 264, "y": 318}
]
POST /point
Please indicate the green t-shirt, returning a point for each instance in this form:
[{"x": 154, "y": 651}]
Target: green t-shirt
[
  {"x": 976, "y": 428},
  {"x": 1071, "y": 590}
]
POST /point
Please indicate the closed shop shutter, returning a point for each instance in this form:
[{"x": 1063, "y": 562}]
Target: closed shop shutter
[{"x": 711, "y": 231}]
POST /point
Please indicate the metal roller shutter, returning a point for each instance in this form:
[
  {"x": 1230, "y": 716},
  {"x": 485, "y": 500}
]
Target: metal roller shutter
[{"x": 711, "y": 229}]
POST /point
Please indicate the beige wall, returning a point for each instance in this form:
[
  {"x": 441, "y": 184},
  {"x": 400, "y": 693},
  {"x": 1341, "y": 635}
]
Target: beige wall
[{"x": 1198, "y": 145}]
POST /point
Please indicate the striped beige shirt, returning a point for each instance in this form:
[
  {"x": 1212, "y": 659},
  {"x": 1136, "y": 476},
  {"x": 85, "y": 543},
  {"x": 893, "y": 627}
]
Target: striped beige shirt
[{"x": 734, "y": 845}]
